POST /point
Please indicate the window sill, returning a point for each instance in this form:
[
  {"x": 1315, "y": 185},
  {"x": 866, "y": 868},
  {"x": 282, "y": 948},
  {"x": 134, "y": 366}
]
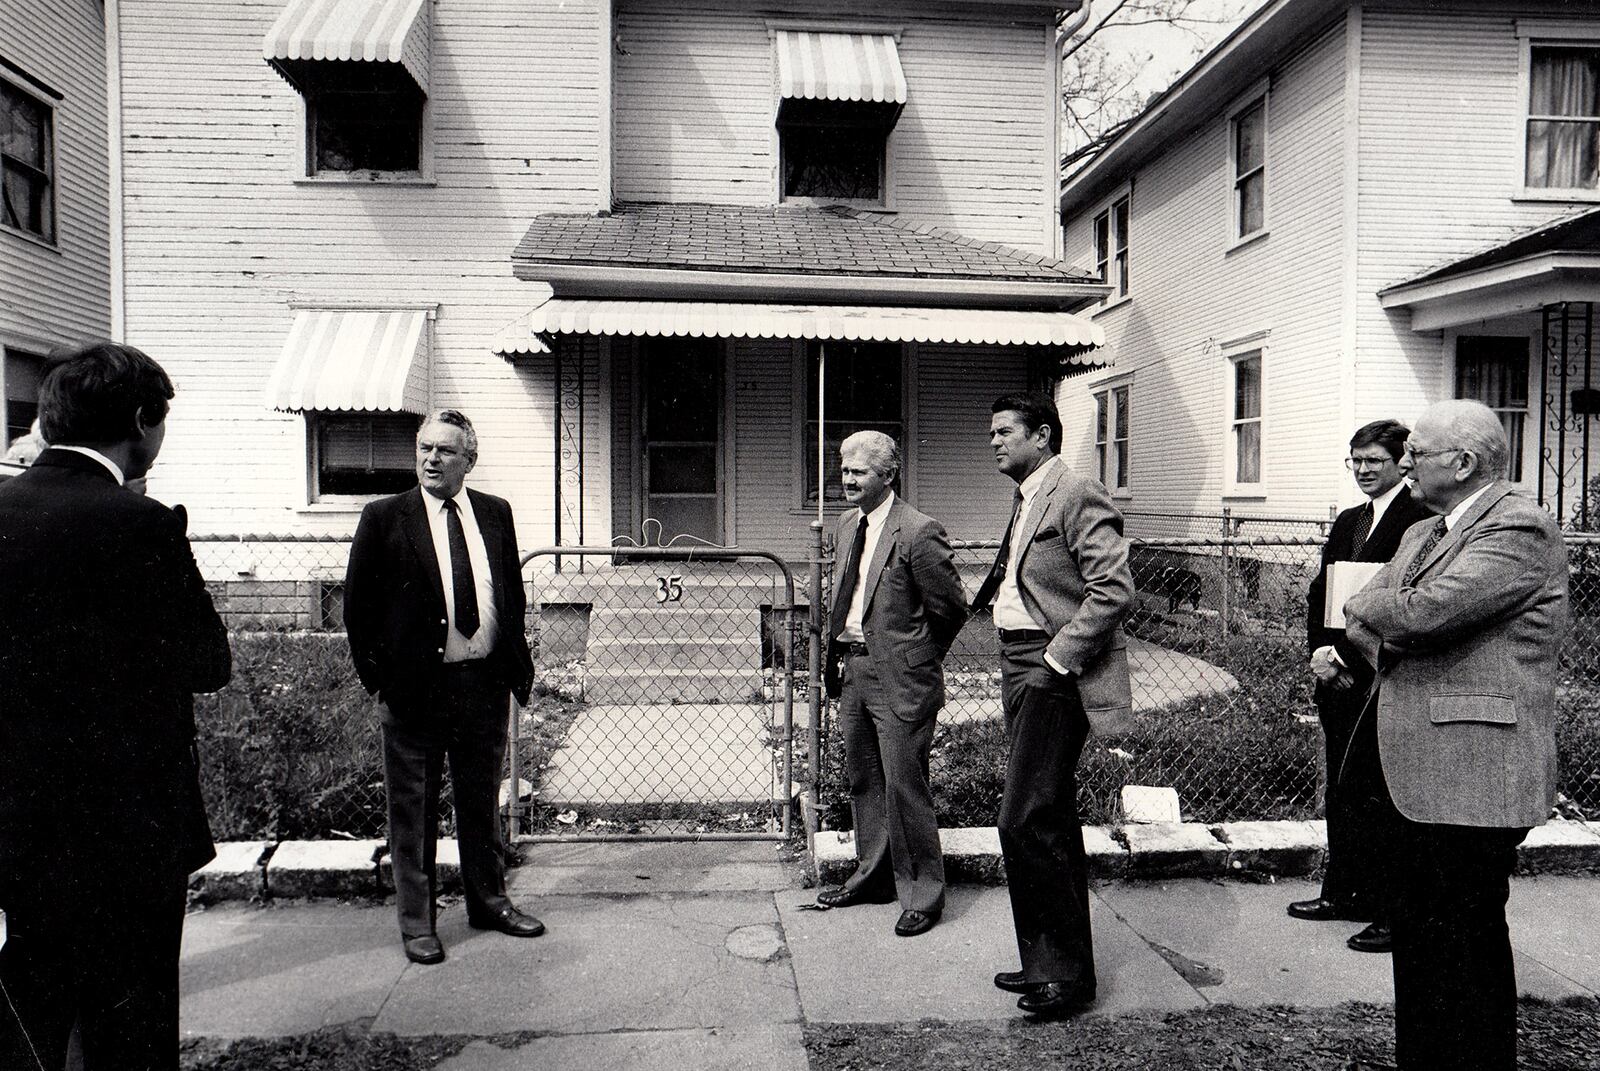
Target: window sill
[
  {"x": 339, "y": 506},
  {"x": 1557, "y": 196},
  {"x": 1108, "y": 306},
  {"x": 371, "y": 178},
  {"x": 1123, "y": 495},
  {"x": 824, "y": 202},
  {"x": 1245, "y": 494},
  {"x": 31, "y": 238},
  {"x": 1247, "y": 240}
]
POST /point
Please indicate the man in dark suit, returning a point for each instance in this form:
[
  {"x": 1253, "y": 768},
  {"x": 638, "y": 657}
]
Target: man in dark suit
[
  {"x": 106, "y": 633},
  {"x": 1061, "y": 589},
  {"x": 1465, "y": 627},
  {"x": 1359, "y": 818},
  {"x": 898, "y": 605},
  {"x": 434, "y": 605}
]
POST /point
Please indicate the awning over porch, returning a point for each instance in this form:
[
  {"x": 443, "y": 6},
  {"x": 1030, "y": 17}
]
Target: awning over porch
[
  {"x": 381, "y": 31},
  {"x": 857, "y": 67},
  {"x": 717, "y": 319},
  {"x": 371, "y": 359}
]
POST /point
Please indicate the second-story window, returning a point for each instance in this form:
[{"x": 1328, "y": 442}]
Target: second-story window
[
  {"x": 1111, "y": 437},
  {"x": 834, "y": 160},
  {"x": 1111, "y": 247},
  {"x": 1250, "y": 169},
  {"x": 1563, "y": 150},
  {"x": 27, "y": 163},
  {"x": 365, "y": 130}
]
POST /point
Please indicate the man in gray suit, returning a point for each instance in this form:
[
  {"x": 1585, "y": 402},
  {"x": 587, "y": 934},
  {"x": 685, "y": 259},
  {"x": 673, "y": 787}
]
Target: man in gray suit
[
  {"x": 1061, "y": 589},
  {"x": 1465, "y": 627},
  {"x": 897, "y": 606}
]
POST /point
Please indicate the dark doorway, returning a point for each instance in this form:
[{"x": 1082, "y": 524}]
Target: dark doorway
[{"x": 681, "y": 422}]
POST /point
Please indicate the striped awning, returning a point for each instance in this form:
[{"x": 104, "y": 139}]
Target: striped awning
[
  {"x": 713, "y": 319},
  {"x": 839, "y": 66},
  {"x": 353, "y": 359},
  {"x": 380, "y": 31}
]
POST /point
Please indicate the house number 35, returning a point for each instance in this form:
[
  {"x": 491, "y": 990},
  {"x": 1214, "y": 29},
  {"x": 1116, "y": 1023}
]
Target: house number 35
[{"x": 669, "y": 588}]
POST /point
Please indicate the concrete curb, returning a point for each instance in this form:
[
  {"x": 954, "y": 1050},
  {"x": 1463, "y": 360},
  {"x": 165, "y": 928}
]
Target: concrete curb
[{"x": 1192, "y": 849}]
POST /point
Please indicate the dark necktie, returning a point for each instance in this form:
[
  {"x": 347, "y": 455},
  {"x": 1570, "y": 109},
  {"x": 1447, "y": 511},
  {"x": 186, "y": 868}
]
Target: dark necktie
[
  {"x": 1415, "y": 567},
  {"x": 1363, "y": 530},
  {"x": 849, "y": 578},
  {"x": 1002, "y": 558},
  {"x": 466, "y": 590}
]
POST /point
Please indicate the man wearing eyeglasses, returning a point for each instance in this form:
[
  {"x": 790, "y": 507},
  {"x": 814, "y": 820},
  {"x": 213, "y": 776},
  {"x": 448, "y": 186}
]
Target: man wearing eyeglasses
[
  {"x": 1465, "y": 627},
  {"x": 1357, "y": 809}
]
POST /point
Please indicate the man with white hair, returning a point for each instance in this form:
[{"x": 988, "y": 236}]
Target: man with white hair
[
  {"x": 1465, "y": 628},
  {"x": 898, "y": 604}
]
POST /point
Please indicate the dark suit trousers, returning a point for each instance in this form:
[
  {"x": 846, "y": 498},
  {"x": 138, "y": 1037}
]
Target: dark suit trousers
[
  {"x": 886, "y": 758},
  {"x": 1041, "y": 838},
  {"x": 1361, "y": 819},
  {"x": 1455, "y": 986},
  {"x": 107, "y": 962},
  {"x": 463, "y": 721}
]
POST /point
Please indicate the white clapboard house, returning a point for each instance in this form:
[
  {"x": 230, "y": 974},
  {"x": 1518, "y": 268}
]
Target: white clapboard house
[
  {"x": 621, "y": 235},
  {"x": 1343, "y": 212}
]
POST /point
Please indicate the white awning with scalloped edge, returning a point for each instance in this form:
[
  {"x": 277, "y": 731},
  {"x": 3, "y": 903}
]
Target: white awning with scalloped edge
[{"x": 353, "y": 359}]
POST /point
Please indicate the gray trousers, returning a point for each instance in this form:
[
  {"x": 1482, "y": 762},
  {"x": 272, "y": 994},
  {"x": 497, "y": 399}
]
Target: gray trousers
[{"x": 886, "y": 758}]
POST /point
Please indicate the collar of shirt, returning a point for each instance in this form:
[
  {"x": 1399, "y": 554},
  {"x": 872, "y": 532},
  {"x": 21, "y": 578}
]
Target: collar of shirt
[
  {"x": 436, "y": 504},
  {"x": 111, "y": 466},
  {"x": 1454, "y": 516},
  {"x": 879, "y": 514},
  {"x": 1030, "y": 485},
  {"x": 1381, "y": 503}
]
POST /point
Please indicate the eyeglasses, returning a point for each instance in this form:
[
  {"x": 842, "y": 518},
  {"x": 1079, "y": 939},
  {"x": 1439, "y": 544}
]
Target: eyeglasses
[
  {"x": 1413, "y": 455},
  {"x": 1366, "y": 464}
]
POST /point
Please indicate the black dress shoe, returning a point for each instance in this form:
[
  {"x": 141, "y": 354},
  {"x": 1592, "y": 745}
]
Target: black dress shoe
[
  {"x": 508, "y": 921},
  {"x": 1375, "y": 938},
  {"x": 842, "y": 897},
  {"x": 1055, "y": 1000},
  {"x": 1320, "y": 910},
  {"x": 1014, "y": 982},
  {"x": 425, "y": 949},
  {"x": 914, "y": 922}
]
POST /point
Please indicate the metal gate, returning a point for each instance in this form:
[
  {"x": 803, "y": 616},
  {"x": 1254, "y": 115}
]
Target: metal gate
[{"x": 663, "y": 696}]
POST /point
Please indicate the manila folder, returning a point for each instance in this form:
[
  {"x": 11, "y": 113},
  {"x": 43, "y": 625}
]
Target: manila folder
[{"x": 1344, "y": 580}]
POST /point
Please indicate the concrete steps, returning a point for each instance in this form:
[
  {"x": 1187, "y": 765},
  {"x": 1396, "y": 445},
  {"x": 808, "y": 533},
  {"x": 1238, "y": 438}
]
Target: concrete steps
[{"x": 673, "y": 654}]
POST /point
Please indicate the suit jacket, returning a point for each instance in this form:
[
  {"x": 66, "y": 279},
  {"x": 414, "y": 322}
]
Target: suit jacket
[
  {"x": 106, "y": 633},
  {"x": 394, "y": 608},
  {"x": 914, "y": 605},
  {"x": 1404, "y": 511},
  {"x": 1467, "y": 665},
  {"x": 1072, "y": 573}
]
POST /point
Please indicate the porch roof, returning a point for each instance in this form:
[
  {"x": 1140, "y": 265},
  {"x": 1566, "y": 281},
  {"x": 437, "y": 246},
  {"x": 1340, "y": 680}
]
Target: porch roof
[
  {"x": 714, "y": 319},
  {"x": 787, "y": 253},
  {"x": 1552, "y": 263}
]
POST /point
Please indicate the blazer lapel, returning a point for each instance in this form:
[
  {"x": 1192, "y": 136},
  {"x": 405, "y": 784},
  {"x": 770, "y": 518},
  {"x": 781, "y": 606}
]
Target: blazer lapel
[
  {"x": 1497, "y": 490},
  {"x": 880, "y": 553},
  {"x": 1038, "y": 508},
  {"x": 489, "y": 528},
  {"x": 421, "y": 536}
]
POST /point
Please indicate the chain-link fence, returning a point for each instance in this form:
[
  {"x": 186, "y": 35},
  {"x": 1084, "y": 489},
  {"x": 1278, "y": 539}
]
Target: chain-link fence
[{"x": 1222, "y": 692}]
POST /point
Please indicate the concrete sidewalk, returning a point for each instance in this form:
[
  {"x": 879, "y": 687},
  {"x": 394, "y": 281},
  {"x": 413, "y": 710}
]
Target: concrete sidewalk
[{"x": 696, "y": 956}]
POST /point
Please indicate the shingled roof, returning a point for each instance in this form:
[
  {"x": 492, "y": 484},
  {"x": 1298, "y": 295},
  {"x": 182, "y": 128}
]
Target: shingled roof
[
  {"x": 1576, "y": 233},
  {"x": 834, "y": 240}
]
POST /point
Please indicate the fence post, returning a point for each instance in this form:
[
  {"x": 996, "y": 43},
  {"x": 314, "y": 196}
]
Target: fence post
[
  {"x": 514, "y": 760},
  {"x": 1227, "y": 570},
  {"x": 814, "y": 666}
]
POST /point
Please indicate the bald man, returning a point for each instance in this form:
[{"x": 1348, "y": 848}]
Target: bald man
[
  {"x": 1465, "y": 627},
  {"x": 898, "y": 604}
]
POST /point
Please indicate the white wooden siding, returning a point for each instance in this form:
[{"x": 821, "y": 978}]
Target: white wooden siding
[
  {"x": 1191, "y": 296},
  {"x": 221, "y": 238},
  {"x": 50, "y": 296},
  {"x": 694, "y": 111}
]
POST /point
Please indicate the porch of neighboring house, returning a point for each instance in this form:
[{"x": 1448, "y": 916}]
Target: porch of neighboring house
[{"x": 1517, "y": 326}]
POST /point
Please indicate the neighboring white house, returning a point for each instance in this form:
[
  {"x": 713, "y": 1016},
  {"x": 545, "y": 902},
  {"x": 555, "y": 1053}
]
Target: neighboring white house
[
  {"x": 1340, "y": 214},
  {"x": 615, "y": 232},
  {"x": 55, "y": 234}
]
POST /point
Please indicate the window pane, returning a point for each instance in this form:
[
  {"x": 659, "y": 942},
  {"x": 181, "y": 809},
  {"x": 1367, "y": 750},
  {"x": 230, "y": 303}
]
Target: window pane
[
  {"x": 1122, "y": 273},
  {"x": 1493, "y": 371},
  {"x": 682, "y": 469},
  {"x": 23, "y": 134},
  {"x": 837, "y": 433},
  {"x": 832, "y": 161},
  {"x": 1252, "y": 203},
  {"x": 1121, "y": 397},
  {"x": 1247, "y": 458},
  {"x": 1249, "y": 139},
  {"x": 1514, "y": 424},
  {"x": 1566, "y": 81},
  {"x": 1120, "y": 214},
  {"x": 1102, "y": 243},
  {"x": 1101, "y": 452},
  {"x": 863, "y": 381},
  {"x": 1563, "y": 156},
  {"x": 367, "y": 131},
  {"x": 682, "y": 378},
  {"x": 366, "y": 454},
  {"x": 1247, "y": 388},
  {"x": 1100, "y": 414},
  {"x": 1122, "y": 463}
]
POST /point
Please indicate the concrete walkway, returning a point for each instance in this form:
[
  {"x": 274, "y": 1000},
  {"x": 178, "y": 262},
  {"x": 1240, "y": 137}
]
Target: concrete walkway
[{"x": 701, "y": 956}]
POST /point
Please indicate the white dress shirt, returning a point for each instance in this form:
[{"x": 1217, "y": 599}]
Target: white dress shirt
[
  {"x": 851, "y": 633},
  {"x": 459, "y": 648},
  {"x": 114, "y": 468},
  {"x": 1453, "y": 518},
  {"x": 1009, "y": 612}
]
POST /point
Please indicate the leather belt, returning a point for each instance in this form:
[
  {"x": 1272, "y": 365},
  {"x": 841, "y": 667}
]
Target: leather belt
[
  {"x": 852, "y": 649},
  {"x": 1022, "y": 635}
]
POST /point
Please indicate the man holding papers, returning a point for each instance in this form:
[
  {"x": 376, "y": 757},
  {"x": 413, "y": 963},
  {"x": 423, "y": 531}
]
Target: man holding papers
[{"x": 1359, "y": 817}]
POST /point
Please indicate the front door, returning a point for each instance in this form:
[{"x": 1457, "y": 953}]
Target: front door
[{"x": 682, "y": 424}]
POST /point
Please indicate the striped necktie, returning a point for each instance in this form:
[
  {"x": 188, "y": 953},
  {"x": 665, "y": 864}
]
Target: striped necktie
[{"x": 1437, "y": 533}]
